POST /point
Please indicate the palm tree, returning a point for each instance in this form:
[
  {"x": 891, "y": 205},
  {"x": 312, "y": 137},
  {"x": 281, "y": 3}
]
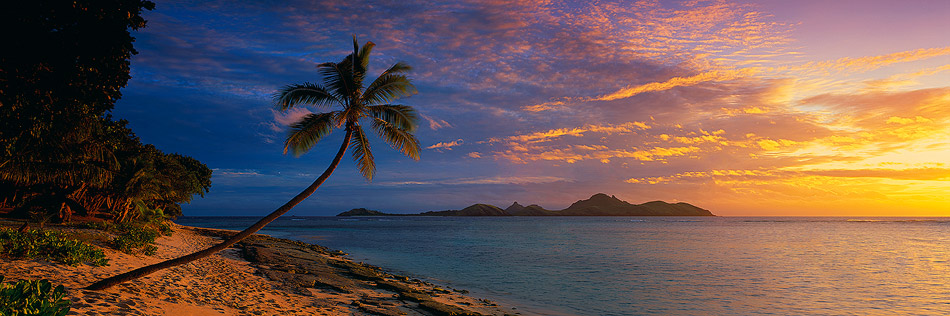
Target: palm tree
[{"x": 342, "y": 86}]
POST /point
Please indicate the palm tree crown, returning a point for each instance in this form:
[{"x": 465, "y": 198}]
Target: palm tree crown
[{"x": 343, "y": 86}]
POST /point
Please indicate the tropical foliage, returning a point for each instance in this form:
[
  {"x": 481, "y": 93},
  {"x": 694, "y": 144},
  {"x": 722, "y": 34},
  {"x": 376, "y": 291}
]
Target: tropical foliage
[
  {"x": 49, "y": 245},
  {"x": 60, "y": 151},
  {"x": 32, "y": 297},
  {"x": 134, "y": 239}
]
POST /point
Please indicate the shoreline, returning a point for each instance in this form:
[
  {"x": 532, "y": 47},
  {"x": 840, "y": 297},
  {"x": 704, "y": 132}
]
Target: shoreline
[{"x": 262, "y": 275}]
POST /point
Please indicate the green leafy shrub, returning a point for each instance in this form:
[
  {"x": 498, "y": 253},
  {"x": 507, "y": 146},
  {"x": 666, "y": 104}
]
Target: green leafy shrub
[
  {"x": 155, "y": 218},
  {"x": 135, "y": 236},
  {"x": 49, "y": 245},
  {"x": 133, "y": 239},
  {"x": 105, "y": 226},
  {"x": 32, "y": 297},
  {"x": 165, "y": 229}
]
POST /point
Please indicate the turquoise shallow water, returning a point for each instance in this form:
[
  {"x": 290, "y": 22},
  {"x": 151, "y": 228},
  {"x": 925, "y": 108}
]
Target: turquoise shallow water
[{"x": 654, "y": 265}]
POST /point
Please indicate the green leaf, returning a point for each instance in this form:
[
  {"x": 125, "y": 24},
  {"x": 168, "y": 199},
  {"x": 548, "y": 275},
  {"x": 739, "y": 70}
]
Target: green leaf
[
  {"x": 399, "y": 139},
  {"x": 306, "y": 93},
  {"x": 308, "y": 131},
  {"x": 401, "y": 116},
  {"x": 389, "y": 87},
  {"x": 362, "y": 153}
]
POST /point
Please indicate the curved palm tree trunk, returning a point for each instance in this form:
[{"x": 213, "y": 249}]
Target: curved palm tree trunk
[{"x": 143, "y": 271}]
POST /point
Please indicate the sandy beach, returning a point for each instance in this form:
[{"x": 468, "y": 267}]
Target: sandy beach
[{"x": 261, "y": 276}]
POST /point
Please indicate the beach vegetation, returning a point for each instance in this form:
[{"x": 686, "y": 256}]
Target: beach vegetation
[
  {"x": 49, "y": 245},
  {"x": 32, "y": 297},
  {"x": 145, "y": 184},
  {"x": 341, "y": 87},
  {"x": 134, "y": 239},
  {"x": 61, "y": 152}
]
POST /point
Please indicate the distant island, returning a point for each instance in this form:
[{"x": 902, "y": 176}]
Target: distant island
[{"x": 597, "y": 205}]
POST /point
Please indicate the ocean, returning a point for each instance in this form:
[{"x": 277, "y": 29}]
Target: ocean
[{"x": 653, "y": 265}]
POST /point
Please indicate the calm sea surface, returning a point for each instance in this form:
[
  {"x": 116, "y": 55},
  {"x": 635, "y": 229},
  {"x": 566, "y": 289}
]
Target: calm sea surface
[{"x": 654, "y": 265}]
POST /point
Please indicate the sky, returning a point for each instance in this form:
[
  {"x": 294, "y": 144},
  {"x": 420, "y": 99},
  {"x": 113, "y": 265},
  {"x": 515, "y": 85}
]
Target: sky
[{"x": 744, "y": 108}]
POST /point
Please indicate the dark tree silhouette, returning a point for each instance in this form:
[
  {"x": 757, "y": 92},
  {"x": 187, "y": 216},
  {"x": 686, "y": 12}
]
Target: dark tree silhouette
[
  {"x": 63, "y": 62},
  {"x": 61, "y": 70}
]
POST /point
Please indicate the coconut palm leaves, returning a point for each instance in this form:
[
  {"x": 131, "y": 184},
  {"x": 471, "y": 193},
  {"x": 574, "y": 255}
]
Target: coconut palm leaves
[{"x": 342, "y": 87}]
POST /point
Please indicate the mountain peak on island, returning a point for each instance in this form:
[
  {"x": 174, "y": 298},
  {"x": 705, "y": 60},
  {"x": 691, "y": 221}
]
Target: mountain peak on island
[
  {"x": 474, "y": 210},
  {"x": 599, "y": 200},
  {"x": 514, "y": 208},
  {"x": 599, "y": 204},
  {"x": 604, "y": 196},
  {"x": 362, "y": 212}
]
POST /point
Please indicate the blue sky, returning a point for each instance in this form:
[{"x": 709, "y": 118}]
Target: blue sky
[{"x": 742, "y": 108}]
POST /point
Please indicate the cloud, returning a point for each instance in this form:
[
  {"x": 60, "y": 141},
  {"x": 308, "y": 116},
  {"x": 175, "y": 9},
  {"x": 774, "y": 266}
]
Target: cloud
[
  {"x": 436, "y": 124},
  {"x": 280, "y": 123},
  {"x": 235, "y": 172},
  {"x": 598, "y": 153},
  {"x": 508, "y": 180},
  {"x": 446, "y": 145},
  {"x": 289, "y": 117},
  {"x": 545, "y": 106},
  {"x": 753, "y": 177},
  {"x": 902, "y": 80},
  {"x": 483, "y": 180},
  {"x": 860, "y": 64},
  {"x": 894, "y": 174},
  {"x": 875, "y": 110},
  {"x": 608, "y": 129},
  {"x": 847, "y": 64},
  {"x": 907, "y": 120},
  {"x": 677, "y": 82}
]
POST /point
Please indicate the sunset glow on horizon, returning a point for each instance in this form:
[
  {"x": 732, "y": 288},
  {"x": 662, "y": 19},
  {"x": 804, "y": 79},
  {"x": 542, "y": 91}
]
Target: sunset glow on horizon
[{"x": 746, "y": 108}]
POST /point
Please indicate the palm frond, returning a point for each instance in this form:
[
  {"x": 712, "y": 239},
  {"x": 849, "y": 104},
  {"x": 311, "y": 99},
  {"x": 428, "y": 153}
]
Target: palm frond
[
  {"x": 305, "y": 93},
  {"x": 338, "y": 79},
  {"x": 356, "y": 49},
  {"x": 308, "y": 131},
  {"x": 339, "y": 118},
  {"x": 361, "y": 60},
  {"x": 362, "y": 153},
  {"x": 63, "y": 174},
  {"x": 398, "y": 138},
  {"x": 399, "y": 68},
  {"x": 79, "y": 158},
  {"x": 401, "y": 116},
  {"x": 387, "y": 88}
]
